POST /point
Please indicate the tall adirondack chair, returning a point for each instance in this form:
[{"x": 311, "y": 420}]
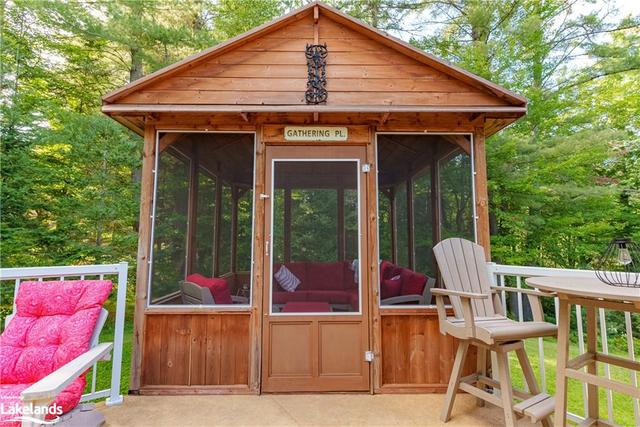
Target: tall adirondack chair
[{"x": 479, "y": 319}]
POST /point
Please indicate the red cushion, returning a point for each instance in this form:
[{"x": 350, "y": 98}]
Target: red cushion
[
  {"x": 283, "y": 297},
  {"x": 412, "y": 282},
  {"x": 53, "y": 325},
  {"x": 218, "y": 287},
  {"x": 324, "y": 276},
  {"x": 332, "y": 297},
  {"x": 390, "y": 288},
  {"x": 354, "y": 299},
  {"x": 386, "y": 269}
]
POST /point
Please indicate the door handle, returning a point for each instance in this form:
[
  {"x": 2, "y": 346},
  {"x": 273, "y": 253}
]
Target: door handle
[{"x": 266, "y": 248}]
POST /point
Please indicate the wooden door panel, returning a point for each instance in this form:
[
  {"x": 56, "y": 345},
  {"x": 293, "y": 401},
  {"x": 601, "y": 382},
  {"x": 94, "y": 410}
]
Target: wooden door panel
[
  {"x": 341, "y": 345},
  {"x": 283, "y": 361}
]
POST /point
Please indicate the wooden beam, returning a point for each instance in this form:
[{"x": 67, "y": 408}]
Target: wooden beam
[
  {"x": 410, "y": 237},
  {"x": 217, "y": 221},
  {"x": 481, "y": 190},
  {"x": 234, "y": 228},
  {"x": 370, "y": 280},
  {"x": 342, "y": 250},
  {"x": 192, "y": 210},
  {"x": 257, "y": 280},
  {"x": 287, "y": 225},
  {"x": 144, "y": 248},
  {"x": 459, "y": 140},
  {"x": 393, "y": 219},
  {"x": 168, "y": 139},
  {"x": 299, "y": 108},
  {"x": 436, "y": 232}
]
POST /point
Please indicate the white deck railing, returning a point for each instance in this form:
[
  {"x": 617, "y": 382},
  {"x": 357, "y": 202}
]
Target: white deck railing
[
  {"x": 510, "y": 275},
  {"x": 117, "y": 273}
]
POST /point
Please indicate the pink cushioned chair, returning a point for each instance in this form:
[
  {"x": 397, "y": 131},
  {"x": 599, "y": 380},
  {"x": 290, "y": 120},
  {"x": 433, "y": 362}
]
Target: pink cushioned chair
[{"x": 50, "y": 342}]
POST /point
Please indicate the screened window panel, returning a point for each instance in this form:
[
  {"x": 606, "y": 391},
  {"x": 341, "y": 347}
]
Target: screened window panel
[
  {"x": 245, "y": 228},
  {"x": 384, "y": 225},
  {"x": 327, "y": 280},
  {"x": 224, "y": 262},
  {"x": 456, "y": 197},
  {"x": 423, "y": 223},
  {"x": 170, "y": 225},
  {"x": 205, "y": 224},
  {"x": 402, "y": 237}
]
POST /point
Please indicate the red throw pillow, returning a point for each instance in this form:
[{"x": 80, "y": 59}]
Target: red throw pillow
[
  {"x": 385, "y": 269},
  {"x": 412, "y": 282},
  {"x": 218, "y": 287},
  {"x": 390, "y": 288}
]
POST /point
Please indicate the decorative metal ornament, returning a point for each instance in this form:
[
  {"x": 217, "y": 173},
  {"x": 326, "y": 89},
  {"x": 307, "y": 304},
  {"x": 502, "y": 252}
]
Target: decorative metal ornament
[
  {"x": 316, "y": 74},
  {"x": 619, "y": 265}
]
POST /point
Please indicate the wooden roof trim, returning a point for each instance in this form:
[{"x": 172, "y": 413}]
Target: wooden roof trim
[
  {"x": 220, "y": 48},
  {"x": 338, "y": 16},
  {"x": 422, "y": 56},
  {"x": 233, "y": 108}
]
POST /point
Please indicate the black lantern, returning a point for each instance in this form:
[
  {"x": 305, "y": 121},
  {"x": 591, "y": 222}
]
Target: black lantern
[{"x": 619, "y": 265}]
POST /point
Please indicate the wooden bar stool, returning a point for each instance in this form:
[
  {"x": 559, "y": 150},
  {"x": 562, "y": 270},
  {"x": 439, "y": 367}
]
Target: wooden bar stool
[{"x": 480, "y": 320}]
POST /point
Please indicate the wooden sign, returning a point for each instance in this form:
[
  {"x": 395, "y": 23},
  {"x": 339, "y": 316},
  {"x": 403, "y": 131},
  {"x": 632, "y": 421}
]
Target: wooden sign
[{"x": 316, "y": 133}]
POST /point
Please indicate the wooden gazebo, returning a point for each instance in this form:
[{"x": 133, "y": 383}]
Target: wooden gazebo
[{"x": 317, "y": 145}]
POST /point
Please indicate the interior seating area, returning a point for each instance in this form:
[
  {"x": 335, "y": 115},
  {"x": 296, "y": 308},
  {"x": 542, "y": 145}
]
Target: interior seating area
[{"x": 330, "y": 283}]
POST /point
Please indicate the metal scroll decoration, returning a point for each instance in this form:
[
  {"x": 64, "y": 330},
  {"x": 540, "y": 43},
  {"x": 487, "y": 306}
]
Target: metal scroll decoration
[
  {"x": 316, "y": 73},
  {"x": 619, "y": 265}
]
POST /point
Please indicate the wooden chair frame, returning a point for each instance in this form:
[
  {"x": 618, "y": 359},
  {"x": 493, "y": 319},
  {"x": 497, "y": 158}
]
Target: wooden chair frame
[{"x": 480, "y": 320}]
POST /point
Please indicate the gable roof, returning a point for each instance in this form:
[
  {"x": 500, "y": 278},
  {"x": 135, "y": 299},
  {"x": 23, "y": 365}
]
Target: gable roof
[{"x": 509, "y": 101}]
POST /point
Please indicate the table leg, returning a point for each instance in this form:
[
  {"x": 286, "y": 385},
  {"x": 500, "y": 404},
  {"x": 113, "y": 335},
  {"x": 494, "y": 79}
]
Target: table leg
[
  {"x": 564, "y": 309},
  {"x": 593, "y": 404}
]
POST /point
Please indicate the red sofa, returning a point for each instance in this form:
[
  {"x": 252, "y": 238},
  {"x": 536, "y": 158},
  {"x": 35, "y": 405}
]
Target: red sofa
[
  {"x": 400, "y": 285},
  {"x": 319, "y": 282}
]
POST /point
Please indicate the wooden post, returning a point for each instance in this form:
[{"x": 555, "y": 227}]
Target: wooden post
[
  {"x": 144, "y": 248},
  {"x": 234, "y": 227},
  {"x": 257, "y": 283},
  {"x": 371, "y": 280},
  {"x": 192, "y": 210},
  {"x": 436, "y": 233},
  {"x": 287, "y": 225},
  {"x": 217, "y": 220},
  {"x": 482, "y": 196},
  {"x": 393, "y": 223},
  {"x": 342, "y": 250},
  {"x": 410, "y": 252}
]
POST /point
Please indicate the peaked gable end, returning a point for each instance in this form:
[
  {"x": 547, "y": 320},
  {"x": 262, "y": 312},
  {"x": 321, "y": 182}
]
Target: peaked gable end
[{"x": 270, "y": 69}]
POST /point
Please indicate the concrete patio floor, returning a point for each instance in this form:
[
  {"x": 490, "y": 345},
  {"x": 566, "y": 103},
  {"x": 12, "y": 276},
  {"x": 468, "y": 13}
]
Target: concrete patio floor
[{"x": 299, "y": 410}]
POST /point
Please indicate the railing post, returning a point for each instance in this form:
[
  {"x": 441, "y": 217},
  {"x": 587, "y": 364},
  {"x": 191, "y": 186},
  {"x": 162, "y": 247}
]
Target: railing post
[{"x": 115, "y": 398}]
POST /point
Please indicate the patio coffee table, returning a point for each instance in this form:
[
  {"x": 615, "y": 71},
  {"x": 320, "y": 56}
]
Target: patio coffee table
[
  {"x": 591, "y": 294},
  {"x": 306, "y": 307}
]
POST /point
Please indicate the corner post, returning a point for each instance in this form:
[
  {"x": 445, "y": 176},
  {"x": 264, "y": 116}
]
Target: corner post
[
  {"x": 481, "y": 190},
  {"x": 144, "y": 250}
]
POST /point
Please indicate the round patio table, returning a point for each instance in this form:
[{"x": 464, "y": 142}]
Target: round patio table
[{"x": 591, "y": 294}]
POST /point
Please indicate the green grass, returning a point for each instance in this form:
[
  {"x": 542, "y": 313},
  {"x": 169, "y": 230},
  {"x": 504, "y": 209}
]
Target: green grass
[
  {"x": 622, "y": 405},
  {"x": 103, "y": 377}
]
